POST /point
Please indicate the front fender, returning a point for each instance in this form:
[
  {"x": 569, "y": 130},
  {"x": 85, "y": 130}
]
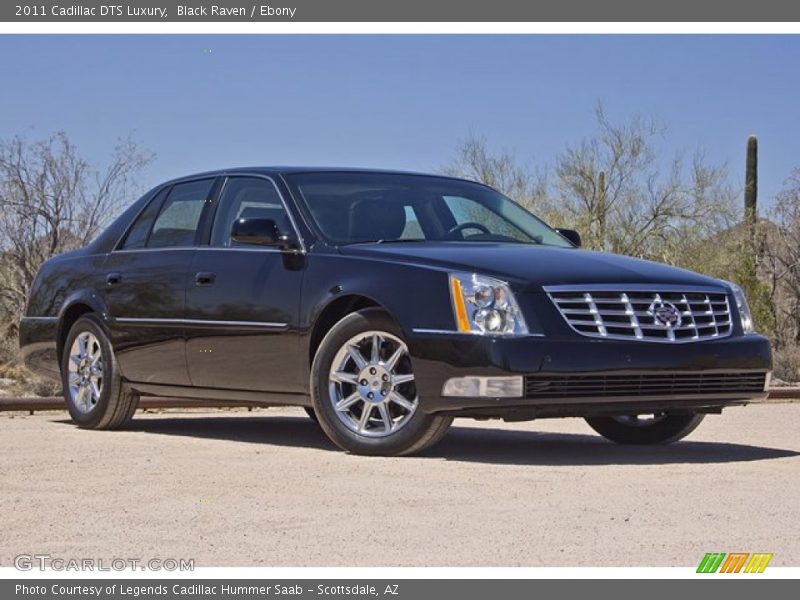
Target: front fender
[{"x": 416, "y": 297}]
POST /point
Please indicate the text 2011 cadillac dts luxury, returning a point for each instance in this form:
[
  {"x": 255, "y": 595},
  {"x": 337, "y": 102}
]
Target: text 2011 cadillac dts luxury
[{"x": 386, "y": 304}]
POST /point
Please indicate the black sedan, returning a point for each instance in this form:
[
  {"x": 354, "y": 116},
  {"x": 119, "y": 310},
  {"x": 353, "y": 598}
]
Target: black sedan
[{"x": 386, "y": 304}]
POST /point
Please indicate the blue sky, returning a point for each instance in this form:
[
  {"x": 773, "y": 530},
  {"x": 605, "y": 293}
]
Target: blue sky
[{"x": 203, "y": 102}]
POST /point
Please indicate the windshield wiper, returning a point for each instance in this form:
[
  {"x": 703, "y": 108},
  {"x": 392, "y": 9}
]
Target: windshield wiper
[
  {"x": 402, "y": 241},
  {"x": 387, "y": 241}
]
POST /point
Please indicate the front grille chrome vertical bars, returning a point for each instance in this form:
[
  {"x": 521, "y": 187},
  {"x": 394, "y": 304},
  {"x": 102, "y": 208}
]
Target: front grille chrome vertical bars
[
  {"x": 635, "y": 312},
  {"x": 710, "y": 312},
  {"x": 687, "y": 313},
  {"x": 601, "y": 329},
  {"x": 637, "y": 330}
]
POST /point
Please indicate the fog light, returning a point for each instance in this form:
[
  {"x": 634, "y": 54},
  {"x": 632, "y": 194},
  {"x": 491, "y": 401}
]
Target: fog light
[{"x": 483, "y": 387}]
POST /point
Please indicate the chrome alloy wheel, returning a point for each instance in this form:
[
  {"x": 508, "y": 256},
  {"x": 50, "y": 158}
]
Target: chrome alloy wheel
[
  {"x": 644, "y": 420},
  {"x": 371, "y": 384},
  {"x": 85, "y": 377}
]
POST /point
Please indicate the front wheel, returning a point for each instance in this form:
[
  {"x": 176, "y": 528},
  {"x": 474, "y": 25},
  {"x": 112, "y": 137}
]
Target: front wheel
[
  {"x": 364, "y": 390},
  {"x": 660, "y": 428}
]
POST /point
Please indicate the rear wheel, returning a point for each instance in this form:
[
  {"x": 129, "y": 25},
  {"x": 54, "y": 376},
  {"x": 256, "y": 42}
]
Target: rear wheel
[
  {"x": 364, "y": 390},
  {"x": 93, "y": 388},
  {"x": 659, "y": 428}
]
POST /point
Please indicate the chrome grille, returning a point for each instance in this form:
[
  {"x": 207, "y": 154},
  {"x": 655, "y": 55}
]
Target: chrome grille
[{"x": 631, "y": 313}]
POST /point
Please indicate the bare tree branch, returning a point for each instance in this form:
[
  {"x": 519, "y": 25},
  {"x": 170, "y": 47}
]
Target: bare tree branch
[{"x": 51, "y": 201}]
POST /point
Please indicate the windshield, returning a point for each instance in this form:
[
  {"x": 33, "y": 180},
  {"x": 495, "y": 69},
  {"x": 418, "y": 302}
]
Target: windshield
[{"x": 351, "y": 208}]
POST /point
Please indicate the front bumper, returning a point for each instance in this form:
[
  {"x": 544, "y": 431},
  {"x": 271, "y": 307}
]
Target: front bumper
[{"x": 726, "y": 371}]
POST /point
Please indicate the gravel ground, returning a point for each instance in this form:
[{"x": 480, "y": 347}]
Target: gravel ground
[{"x": 267, "y": 488}]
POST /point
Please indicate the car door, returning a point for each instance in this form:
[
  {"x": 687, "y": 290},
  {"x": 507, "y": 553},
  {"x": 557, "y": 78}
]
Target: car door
[
  {"x": 146, "y": 279},
  {"x": 242, "y": 301}
]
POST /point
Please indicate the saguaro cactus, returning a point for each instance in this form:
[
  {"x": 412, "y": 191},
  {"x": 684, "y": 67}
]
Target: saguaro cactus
[
  {"x": 751, "y": 210},
  {"x": 751, "y": 186}
]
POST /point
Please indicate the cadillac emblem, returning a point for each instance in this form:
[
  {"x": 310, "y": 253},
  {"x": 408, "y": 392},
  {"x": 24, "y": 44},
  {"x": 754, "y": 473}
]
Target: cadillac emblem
[{"x": 665, "y": 313}]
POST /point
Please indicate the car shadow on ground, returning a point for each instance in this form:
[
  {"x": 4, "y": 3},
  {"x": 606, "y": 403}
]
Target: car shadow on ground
[
  {"x": 502, "y": 446},
  {"x": 468, "y": 444}
]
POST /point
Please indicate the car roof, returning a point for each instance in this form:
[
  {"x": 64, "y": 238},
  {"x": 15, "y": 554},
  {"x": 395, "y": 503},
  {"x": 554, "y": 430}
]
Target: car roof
[{"x": 288, "y": 170}]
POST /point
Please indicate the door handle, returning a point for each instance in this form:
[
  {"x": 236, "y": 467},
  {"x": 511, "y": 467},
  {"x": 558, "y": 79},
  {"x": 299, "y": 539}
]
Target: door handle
[
  {"x": 205, "y": 278},
  {"x": 113, "y": 279}
]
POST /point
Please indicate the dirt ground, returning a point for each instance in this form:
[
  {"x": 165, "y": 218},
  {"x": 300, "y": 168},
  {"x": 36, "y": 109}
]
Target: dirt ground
[{"x": 266, "y": 488}]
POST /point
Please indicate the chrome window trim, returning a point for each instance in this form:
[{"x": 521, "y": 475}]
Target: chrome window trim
[
  {"x": 206, "y": 248},
  {"x": 199, "y": 322},
  {"x": 226, "y": 177},
  {"x": 169, "y": 249}
]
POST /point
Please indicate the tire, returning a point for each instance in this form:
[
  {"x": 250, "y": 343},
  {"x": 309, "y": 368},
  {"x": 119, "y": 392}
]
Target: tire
[
  {"x": 394, "y": 424},
  {"x": 311, "y": 414},
  {"x": 663, "y": 429},
  {"x": 115, "y": 405}
]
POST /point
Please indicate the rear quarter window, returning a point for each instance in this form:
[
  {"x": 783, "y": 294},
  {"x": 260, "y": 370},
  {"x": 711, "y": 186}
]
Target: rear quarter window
[{"x": 137, "y": 234}]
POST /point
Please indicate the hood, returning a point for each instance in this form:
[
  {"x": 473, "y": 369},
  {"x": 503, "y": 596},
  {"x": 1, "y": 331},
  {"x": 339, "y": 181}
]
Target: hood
[{"x": 529, "y": 267}]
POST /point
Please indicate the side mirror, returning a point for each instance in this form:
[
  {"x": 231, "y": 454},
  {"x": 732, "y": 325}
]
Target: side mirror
[
  {"x": 572, "y": 235},
  {"x": 259, "y": 232}
]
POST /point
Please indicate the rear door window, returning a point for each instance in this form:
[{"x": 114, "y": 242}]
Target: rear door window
[{"x": 176, "y": 225}]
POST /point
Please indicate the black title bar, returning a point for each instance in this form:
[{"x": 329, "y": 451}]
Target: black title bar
[{"x": 407, "y": 10}]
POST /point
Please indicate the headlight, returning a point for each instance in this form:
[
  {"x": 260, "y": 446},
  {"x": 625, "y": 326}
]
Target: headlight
[
  {"x": 744, "y": 310},
  {"x": 485, "y": 306}
]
